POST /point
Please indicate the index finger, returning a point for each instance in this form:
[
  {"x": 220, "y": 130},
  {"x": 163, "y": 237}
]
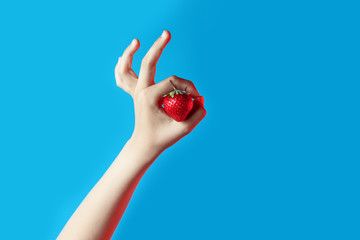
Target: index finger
[
  {"x": 148, "y": 64},
  {"x": 166, "y": 86}
]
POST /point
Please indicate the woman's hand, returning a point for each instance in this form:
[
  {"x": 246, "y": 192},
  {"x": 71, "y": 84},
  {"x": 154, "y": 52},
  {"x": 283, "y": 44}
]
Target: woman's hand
[{"x": 154, "y": 129}]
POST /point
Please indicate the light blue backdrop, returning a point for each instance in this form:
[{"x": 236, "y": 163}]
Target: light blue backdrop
[{"x": 277, "y": 156}]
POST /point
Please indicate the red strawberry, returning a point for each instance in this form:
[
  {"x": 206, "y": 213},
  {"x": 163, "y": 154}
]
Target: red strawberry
[{"x": 177, "y": 104}]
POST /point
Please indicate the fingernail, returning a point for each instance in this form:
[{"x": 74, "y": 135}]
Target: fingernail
[
  {"x": 133, "y": 42},
  {"x": 163, "y": 34}
]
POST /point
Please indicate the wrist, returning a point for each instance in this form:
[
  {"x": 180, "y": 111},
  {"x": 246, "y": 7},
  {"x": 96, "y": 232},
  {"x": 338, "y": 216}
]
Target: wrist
[{"x": 144, "y": 151}]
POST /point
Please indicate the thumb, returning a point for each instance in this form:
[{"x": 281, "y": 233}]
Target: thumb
[{"x": 197, "y": 113}]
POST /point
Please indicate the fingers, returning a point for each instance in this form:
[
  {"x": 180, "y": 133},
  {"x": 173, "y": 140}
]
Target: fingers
[
  {"x": 148, "y": 64},
  {"x": 127, "y": 57},
  {"x": 125, "y": 76},
  {"x": 197, "y": 113},
  {"x": 124, "y": 81},
  {"x": 164, "y": 87}
]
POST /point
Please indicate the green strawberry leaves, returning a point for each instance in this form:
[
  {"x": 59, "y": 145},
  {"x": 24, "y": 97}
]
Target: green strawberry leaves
[{"x": 172, "y": 94}]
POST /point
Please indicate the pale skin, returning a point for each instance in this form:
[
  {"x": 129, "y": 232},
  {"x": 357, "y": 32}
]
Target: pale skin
[{"x": 100, "y": 212}]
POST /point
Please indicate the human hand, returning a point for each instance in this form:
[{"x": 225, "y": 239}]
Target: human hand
[{"x": 154, "y": 129}]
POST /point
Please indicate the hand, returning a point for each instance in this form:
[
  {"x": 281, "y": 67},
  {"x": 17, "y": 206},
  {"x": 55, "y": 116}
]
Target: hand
[{"x": 154, "y": 129}]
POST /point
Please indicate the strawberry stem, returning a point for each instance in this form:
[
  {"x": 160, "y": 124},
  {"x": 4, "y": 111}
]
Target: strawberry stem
[
  {"x": 175, "y": 91},
  {"x": 173, "y": 85}
]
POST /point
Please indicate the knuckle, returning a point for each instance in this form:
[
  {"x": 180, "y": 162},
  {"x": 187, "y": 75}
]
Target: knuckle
[
  {"x": 181, "y": 81},
  {"x": 188, "y": 83},
  {"x": 118, "y": 84},
  {"x": 203, "y": 111},
  {"x": 120, "y": 80},
  {"x": 173, "y": 77},
  {"x": 201, "y": 114}
]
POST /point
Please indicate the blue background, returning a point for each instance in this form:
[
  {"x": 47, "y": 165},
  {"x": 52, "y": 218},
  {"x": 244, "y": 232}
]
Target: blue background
[{"x": 277, "y": 156}]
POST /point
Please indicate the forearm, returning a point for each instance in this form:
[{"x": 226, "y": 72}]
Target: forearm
[
  {"x": 101, "y": 210},
  {"x": 155, "y": 130}
]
